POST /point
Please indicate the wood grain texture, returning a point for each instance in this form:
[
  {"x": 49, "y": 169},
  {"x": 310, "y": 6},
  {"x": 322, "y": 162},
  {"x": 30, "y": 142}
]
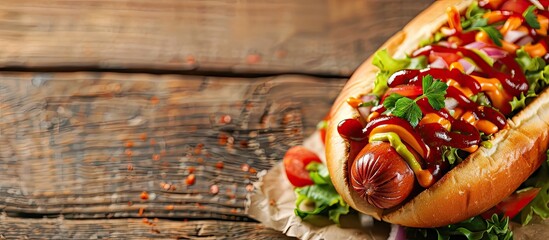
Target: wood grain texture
[
  {"x": 87, "y": 145},
  {"x": 58, "y": 228},
  {"x": 251, "y": 36}
]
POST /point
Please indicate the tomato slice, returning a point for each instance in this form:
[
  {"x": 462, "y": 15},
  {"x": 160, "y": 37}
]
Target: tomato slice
[
  {"x": 517, "y": 6},
  {"x": 406, "y": 90},
  {"x": 513, "y": 204},
  {"x": 449, "y": 58},
  {"x": 295, "y": 161},
  {"x": 322, "y": 126}
]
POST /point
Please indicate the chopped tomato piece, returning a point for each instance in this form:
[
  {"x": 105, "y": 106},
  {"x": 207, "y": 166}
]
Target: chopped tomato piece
[
  {"x": 517, "y": 6},
  {"x": 405, "y": 90},
  {"x": 295, "y": 161},
  {"x": 449, "y": 58},
  {"x": 513, "y": 204}
]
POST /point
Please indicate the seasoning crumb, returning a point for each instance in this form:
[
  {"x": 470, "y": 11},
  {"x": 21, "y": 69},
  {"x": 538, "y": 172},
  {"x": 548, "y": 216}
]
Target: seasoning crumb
[
  {"x": 155, "y": 157},
  {"x": 191, "y": 169},
  {"x": 245, "y": 167},
  {"x": 130, "y": 167},
  {"x": 170, "y": 207},
  {"x": 129, "y": 144},
  {"x": 190, "y": 179},
  {"x": 154, "y": 100},
  {"x": 219, "y": 165},
  {"x": 253, "y": 58},
  {"x": 225, "y": 119},
  {"x": 144, "y": 195},
  {"x": 250, "y": 188},
  {"x": 143, "y": 136},
  {"x": 214, "y": 189},
  {"x": 128, "y": 152}
]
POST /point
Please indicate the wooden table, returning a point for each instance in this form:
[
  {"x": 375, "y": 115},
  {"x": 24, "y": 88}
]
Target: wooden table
[{"x": 151, "y": 119}]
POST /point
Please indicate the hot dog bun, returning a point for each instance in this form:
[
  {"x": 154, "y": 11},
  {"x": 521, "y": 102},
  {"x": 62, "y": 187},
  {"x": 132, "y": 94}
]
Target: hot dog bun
[{"x": 480, "y": 182}]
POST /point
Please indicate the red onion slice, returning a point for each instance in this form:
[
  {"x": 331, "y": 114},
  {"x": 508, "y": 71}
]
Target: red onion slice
[
  {"x": 525, "y": 40},
  {"x": 475, "y": 45},
  {"x": 494, "y": 53},
  {"x": 438, "y": 63},
  {"x": 468, "y": 67},
  {"x": 397, "y": 233},
  {"x": 514, "y": 35}
]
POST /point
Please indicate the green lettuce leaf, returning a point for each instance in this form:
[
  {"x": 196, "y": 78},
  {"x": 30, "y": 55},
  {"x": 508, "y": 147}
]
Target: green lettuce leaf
[
  {"x": 537, "y": 75},
  {"x": 320, "y": 198},
  {"x": 388, "y": 65},
  {"x": 540, "y": 205},
  {"x": 475, "y": 228}
]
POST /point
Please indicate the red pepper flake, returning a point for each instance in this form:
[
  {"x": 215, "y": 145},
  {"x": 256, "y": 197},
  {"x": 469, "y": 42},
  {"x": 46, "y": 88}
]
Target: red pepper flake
[
  {"x": 225, "y": 119},
  {"x": 143, "y": 137},
  {"x": 253, "y": 58},
  {"x": 214, "y": 189},
  {"x": 245, "y": 167},
  {"x": 287, "y": 118},
  {"x": 144, "y": 195},
  {"x": 253, "y": 171},
  {"x": 140, "y": 212},
  {"x": 272, "y": 202},
  {"x": 234, "y": 210},
  {"x": 130, "y": 167},
  {"x": 190, "y": 179},
  {"x": 281, "y": 53},
  {"x": 191, "y": 169},
  {"x": 219, "y": 165},
  {"x": 128, "y": 152},
  {"x": 129, "y": 144},
  {"x": 244, "y": 144},
  {"x": 250, "y": 188},
  {"x": 156, "y": 157},
  {"x": 200, "y": 160},
  {"x": 222, "y": 139},
  {"x": 249, "y": 106},
  {"x": 191, "y": 60},
  {"x": 170, "y": 207},
  {"x": 154, "y": 100},
  {"x": 145, "y": 220}
]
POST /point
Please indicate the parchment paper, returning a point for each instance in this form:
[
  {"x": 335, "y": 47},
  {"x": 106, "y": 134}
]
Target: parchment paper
[{"x": 273, "y": 204}]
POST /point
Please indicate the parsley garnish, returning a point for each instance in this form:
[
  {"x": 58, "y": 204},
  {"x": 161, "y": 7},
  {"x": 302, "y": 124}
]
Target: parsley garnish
[
  {"x": 494, "y": 34},
  {"x": 531, "y": 18},
  {"x": 408, "y": 109}
]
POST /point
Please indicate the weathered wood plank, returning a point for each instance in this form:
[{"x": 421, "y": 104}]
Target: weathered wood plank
[
  {"x": 86, "y": 145},
  {"x": 147, "y": 228},
  {"x": 306, "y": 36}
]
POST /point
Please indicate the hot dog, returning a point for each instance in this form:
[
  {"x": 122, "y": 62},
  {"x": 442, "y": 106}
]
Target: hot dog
[{"x": 391, "y": 159}]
